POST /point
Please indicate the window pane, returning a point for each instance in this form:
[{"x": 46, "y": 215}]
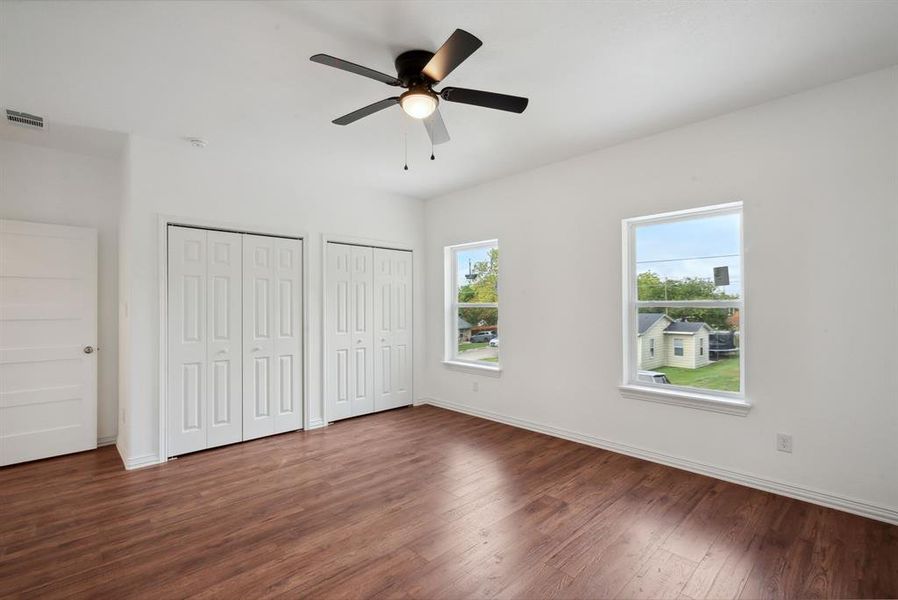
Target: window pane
[
  {"x": 695, "y": 259},
  {"x": 690, "y": 347},
  {"x": 478, "y": 274},
  {"x": 478, "y": 334}
]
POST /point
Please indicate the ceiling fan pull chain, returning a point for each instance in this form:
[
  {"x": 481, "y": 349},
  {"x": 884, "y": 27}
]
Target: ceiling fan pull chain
[
  {"x": 432, "y": 157},
  {"x": 405, "y": 137}
]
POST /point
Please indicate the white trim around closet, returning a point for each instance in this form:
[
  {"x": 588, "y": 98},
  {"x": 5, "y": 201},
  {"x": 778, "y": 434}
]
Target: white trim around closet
[
  {"x": 355, "y": 241},
  {"x": 162, "y": 255}
]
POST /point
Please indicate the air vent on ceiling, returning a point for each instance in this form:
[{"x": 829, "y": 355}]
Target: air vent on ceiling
[{"x": 24, "y": 119}]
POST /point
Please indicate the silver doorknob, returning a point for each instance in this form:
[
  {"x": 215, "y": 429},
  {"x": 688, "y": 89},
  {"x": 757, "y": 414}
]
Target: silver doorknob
[
  {"x": 89, "y": 349},
  {"x": 358, "y": 341}
]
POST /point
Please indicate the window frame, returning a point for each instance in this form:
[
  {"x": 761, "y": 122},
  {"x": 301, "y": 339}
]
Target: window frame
[
  {"x": 452, "y": 306},
  {"x": 679, "y": 344},
  {"x": 736, "y": 403}
]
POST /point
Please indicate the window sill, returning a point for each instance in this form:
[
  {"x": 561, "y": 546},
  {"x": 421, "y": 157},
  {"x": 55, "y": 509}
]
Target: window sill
[
  {"x": 476, "y": 369},
  {"x": 707, "y": 402}
]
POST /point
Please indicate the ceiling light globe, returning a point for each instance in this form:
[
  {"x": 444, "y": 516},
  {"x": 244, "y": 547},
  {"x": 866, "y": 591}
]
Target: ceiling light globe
[{"x": 418, "y": 105}]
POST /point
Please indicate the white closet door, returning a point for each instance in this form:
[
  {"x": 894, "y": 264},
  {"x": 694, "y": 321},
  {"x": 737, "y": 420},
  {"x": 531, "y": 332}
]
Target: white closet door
[
  {"x": 288, "y": 341},
  {"x": 48, "y": 330},
  {"x": 338, "y": 335},
  {"x": 272, "y": 335},
  {"x": 259, "y": 354},
  {"x": 362, "y": 330},
  {"x": 350, "y": 339},
  {"x": 187, "y": 356},
  {"x": 224, "y": 350},
  {"x": 392, "y": 328}
]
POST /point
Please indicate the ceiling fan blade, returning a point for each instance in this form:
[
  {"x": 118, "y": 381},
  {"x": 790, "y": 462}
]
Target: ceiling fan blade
[
  {"x": 515, "y": 104},
  {"x": 345, "y": 65},
  {"x": 452, "y": 53},
  {"x": 368, "y": 110},
  {"x": 436, "y": 128}
]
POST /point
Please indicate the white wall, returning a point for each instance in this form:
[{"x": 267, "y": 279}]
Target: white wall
[
  {"x": 818, "y": 175},
  {"x": 47, "y": 185},
  {"x": 215, "y": 184}
]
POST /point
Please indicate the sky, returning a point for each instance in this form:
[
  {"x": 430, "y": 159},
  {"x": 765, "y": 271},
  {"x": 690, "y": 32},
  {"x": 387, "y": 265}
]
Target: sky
[
  {"x": 675, "y": 250},
  {"x": 475, "y": 255}
]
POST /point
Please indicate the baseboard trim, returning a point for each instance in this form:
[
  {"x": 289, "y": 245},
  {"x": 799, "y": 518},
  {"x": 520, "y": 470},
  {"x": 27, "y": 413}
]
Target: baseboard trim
[
  {"x": 316, "y": 423},
  {"x": 857, "y": 507},
  {"x": 139, "y": 462},
  {"x": 107, "y": 440}
]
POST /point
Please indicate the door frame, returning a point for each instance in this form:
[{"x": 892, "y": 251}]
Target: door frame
[
  {"x": 163, "y": 222},
  {"x": 367, "y": 243}
]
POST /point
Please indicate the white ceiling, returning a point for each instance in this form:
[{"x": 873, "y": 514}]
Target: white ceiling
[{"x": 596, "y": 74}]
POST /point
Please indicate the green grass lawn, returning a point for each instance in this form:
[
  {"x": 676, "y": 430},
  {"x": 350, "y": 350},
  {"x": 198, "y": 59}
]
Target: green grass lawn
[
  {"x": 469, "y": 346},
  {"x": 721, "y": 375}
]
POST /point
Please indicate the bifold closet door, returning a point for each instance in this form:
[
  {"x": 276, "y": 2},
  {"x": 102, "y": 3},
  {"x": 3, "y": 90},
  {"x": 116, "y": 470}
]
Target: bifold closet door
[
  {"x": 392, "y": 328},
  {"x": 272, "y": 334},
  {"x": 224, "y": 380},
  {"x": 204, "y": 339},
  {"x": 349, "y": 333}
]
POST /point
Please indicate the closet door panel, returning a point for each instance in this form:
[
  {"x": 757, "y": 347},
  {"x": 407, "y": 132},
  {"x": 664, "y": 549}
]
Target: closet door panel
[
  {"x": 392, "y": 335},
  {"x": 362, "y": 351},
  {"x": 187, "y": 327},
  {"x": 339, "y": 386},
  {"x": 402, "y": 328},
  {"x": 288, "y": 334},
  {"x": 350, "y": 323},
  {"x": 224, "y": 390},
  {"x": 260, "y": 381},
  {"x": 383, "y": 329}
]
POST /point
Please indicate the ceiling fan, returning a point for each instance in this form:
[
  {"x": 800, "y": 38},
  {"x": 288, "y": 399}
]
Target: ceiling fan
[{"x": 418, "y": 71}]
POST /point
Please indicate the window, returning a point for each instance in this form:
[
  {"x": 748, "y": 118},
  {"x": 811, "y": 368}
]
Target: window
[
  {"x": 472, "y": 305},
  {"x": 683, "y": 277}
]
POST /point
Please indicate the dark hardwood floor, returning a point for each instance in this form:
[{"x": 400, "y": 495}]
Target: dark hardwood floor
[{"x": 421, "y": 503}]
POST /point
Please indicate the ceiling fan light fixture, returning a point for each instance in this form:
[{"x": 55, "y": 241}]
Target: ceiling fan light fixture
[{"x": 418, "y": 104}]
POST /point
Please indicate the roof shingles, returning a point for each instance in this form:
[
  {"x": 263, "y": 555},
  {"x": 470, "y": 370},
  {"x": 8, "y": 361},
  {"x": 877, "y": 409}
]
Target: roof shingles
[{"x": 647, "y": 320}]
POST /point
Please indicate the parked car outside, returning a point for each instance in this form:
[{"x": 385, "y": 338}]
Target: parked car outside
[
  {"x": 652, "y": 377},
  {"x": 481, "y": 337},
  {"x": 494, "y": 342}
]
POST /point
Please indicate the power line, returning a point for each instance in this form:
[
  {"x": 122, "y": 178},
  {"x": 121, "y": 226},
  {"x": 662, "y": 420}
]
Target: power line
[
  {"x": 639, "y": 262},
  {"x": 675, "y": 281}
]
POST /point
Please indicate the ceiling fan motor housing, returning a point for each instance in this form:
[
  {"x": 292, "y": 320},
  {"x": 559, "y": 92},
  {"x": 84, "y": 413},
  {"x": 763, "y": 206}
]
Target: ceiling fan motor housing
[{"x": 409, "y": 66}]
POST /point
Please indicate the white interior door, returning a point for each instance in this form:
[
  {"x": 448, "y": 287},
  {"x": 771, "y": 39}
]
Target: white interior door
[
  {"x": 272, "y": 335},
  {"x": 288, "y": 339},
  {"x": 187, "y": 344},
  {"x": 48, "y": 333},
  {"x": 235, "y": 337},
  {"x": 224, "y": 348},
  {"x": 350, "y": 340},
  {"x": 392, "y": 328},
  {"x": 259, "y": 384},
  {"x": 339, "y": 343}
]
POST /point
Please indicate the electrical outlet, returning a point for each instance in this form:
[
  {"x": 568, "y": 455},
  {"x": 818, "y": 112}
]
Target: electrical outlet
[
  {"x": 784, "y": 442},
  {"x": 476, "y": 386}
]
